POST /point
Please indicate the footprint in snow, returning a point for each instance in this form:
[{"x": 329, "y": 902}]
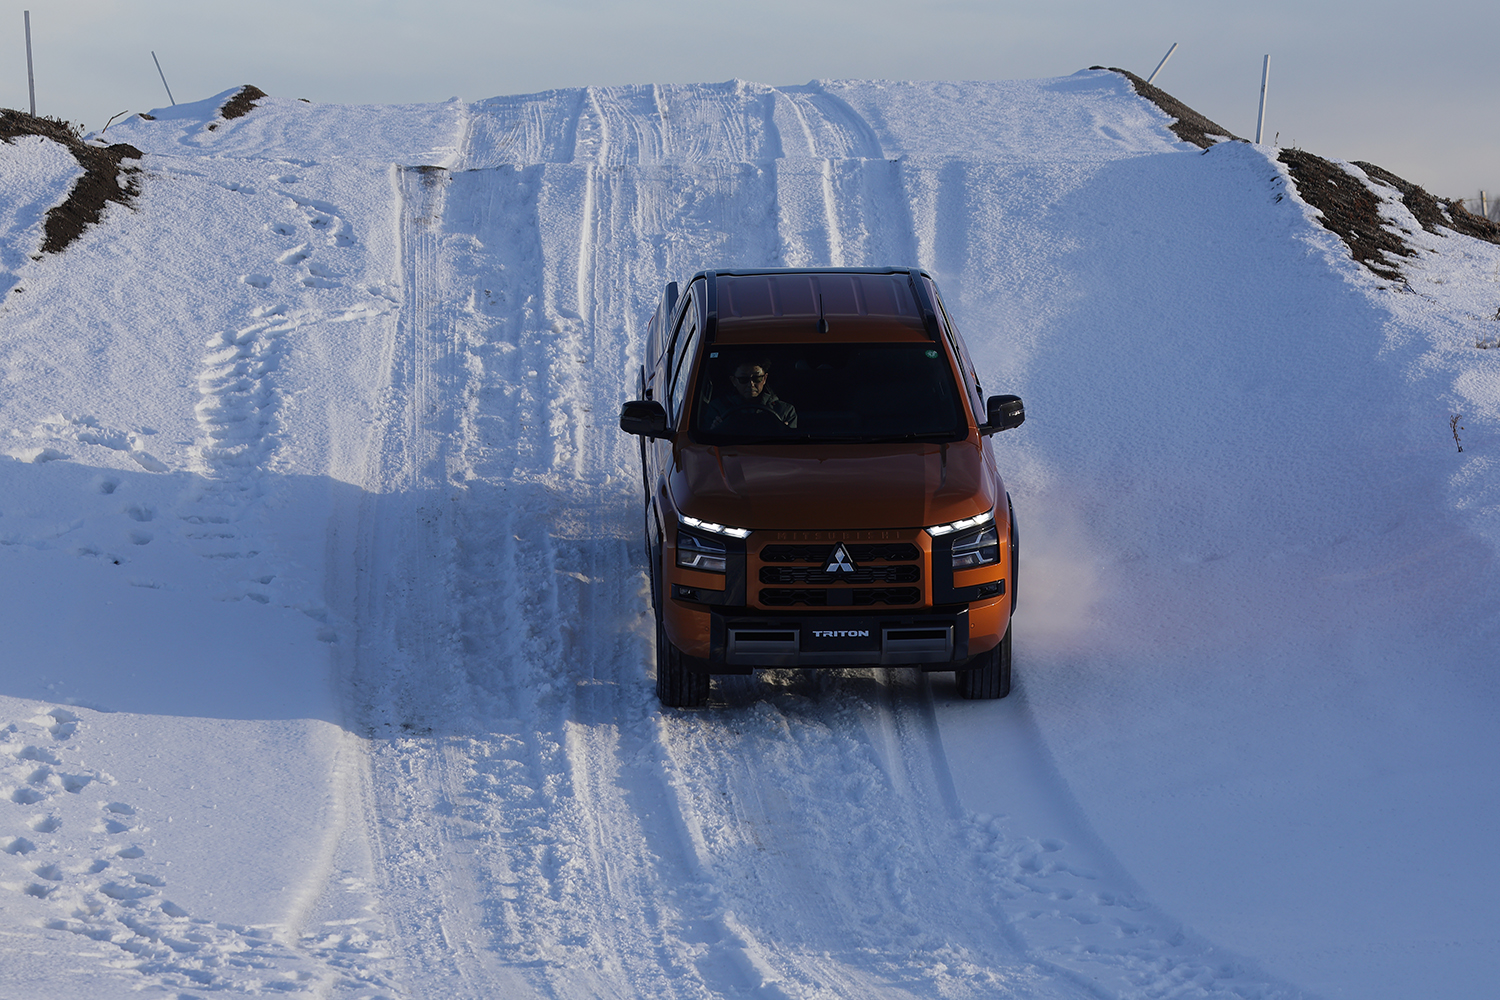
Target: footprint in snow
[
  {"x": 257, "y": 280},
  {"x": 284, "y": 229},
  {"x": 39, "y": 755},
  {"x": 46, "y": 824},
  {"x": 294, "y": 256},
  {"x": 120, "y": 822},
  {"x": 125, "y": 892}
]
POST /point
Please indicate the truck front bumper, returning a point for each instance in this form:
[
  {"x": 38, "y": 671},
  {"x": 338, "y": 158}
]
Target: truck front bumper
[{"x": 740, "y": 642}]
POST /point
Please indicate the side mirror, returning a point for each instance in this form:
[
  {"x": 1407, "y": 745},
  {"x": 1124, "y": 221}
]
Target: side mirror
[
  {"x": 1005, "y": 412},
  {"x": 645, "y": 417}
]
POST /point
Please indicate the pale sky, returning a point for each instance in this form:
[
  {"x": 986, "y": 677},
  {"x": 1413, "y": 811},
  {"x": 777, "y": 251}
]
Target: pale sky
[{"x": 1411, "y": 87}]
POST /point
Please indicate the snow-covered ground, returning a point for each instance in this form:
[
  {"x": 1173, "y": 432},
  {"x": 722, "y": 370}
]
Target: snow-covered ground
[{"x": 326, "y": 653}]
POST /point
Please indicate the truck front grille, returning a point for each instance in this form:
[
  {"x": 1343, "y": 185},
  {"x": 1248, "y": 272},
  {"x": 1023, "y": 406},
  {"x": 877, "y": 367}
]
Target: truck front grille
[
  {"x": 777, "y": 597},
  {"x": 887, "y": 595},
  {"x": 816, "y": 577},
  {"x": 860, "y": 552}
]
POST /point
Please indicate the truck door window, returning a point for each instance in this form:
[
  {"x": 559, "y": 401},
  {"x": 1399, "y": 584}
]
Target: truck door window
[
  {"x": 966, "y": 374},
  {"x": 682, "y": 360}
]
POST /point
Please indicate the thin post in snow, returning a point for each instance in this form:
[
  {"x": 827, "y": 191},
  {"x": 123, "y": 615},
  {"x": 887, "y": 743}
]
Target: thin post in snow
[
  {"x": 163, "y": 78},
  {"x": 1265, "y": 77},
  {"x": 30, "y": 76},
  {"x": 1484, "y": 205},
  {"x": 1162, "y": 63}
]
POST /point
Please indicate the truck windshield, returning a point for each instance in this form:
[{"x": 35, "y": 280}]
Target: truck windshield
[{"x": 790, "y": 393}]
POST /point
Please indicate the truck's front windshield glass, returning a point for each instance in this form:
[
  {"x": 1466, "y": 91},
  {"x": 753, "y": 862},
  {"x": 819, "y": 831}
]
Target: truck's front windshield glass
[{"x": 789, "y": 393}]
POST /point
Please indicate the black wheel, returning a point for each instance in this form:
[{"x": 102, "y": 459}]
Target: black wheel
[
  {"x": 988, "y": 674},
  {"x": 676, "y": 685}
]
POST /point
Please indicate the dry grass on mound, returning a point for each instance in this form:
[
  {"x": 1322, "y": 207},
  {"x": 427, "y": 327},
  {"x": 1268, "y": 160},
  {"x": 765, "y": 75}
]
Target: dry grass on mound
[
  {"x": 105, "y": 176},
  {"x": 240, "y": 104},
  {"x": 1350, "y": 207},
  {"x": 1190, "y": 126}
]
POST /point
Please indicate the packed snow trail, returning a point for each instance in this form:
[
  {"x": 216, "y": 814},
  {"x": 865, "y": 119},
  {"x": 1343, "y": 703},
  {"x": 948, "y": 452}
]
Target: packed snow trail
[
  {"x": 363, "y": 412},
  {"x": 540, "y": 822}
]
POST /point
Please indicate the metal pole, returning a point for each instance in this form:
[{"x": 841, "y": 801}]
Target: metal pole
[
  {"x": 163, "y": 78},
  {"x": 30, "y": 77},
  {"x": 1162, "y": 63},
  {"x": 1484, "y": 205},
  {"x": 1265, "y": 77}
]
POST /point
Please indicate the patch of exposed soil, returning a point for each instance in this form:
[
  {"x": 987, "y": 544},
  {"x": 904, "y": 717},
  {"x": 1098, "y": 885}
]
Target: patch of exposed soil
[
  {"x": 1190, "y": 126},
  {"x": 1350, "y": 206},
  {"x": 240, "y": 104},
  {"x": 1432, "y": 212},
  {"x": 105, "y": 176},
  {"x": 1351, "y": 211}
]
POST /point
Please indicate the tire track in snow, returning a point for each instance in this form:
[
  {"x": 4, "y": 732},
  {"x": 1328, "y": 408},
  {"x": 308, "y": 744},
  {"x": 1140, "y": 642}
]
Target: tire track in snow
[
  {"x": 829, "y": 825},
  {"x": 407, "y": 678},
  {"x": 505, "y": 796}
]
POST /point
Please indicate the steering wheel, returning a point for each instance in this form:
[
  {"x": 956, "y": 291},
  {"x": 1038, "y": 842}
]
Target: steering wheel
[{"x": 749, "y": 418}]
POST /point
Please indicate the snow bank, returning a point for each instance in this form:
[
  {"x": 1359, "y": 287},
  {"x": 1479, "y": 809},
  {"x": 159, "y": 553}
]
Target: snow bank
[{"x": 327, "y": 655}]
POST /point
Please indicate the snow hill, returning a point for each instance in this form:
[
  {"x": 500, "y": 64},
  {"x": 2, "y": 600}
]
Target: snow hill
[{"x": 326, "y": 654}]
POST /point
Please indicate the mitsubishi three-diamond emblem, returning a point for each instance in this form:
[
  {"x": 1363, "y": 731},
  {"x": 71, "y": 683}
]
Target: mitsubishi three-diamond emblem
[{"x": 839, "y": 562}]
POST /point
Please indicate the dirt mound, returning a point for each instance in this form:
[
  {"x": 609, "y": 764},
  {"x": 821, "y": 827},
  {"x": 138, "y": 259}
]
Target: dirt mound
[
  {"x": 1350, "y": 206},
  {"x": 1190, "y": 126},
  {"x": 1351, "y": 211},
  {"x": 1432, "y": 212},
  {"x": 240, "y": 104},
  {"x": 105, "y": 176}
]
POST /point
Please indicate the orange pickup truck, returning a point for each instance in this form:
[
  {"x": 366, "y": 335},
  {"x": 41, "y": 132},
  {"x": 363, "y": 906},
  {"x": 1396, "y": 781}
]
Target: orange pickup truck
[{"x": 820, "y": 486}]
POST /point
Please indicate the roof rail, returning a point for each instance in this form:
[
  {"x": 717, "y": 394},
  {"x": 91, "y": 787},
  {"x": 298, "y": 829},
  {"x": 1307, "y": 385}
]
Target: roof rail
[
  {"x": 929, "y": 314},
  {"x": 711, "y": 306}
]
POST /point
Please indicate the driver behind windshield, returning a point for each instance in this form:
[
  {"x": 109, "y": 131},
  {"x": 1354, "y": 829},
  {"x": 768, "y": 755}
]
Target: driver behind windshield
[{"x": 753, "y": 400}]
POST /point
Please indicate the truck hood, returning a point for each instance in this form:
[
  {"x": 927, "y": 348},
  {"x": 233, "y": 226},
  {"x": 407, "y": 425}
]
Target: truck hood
[{"x": 838, "y": 487}]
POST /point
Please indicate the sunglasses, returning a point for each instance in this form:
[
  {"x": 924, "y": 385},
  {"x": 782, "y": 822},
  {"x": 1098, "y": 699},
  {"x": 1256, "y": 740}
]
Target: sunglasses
[{"x": 747, "y": 379}]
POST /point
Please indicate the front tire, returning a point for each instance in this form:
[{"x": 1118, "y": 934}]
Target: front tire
[
  {"x": 988, "y": 675},
  {"x": 676, "y": 685}
]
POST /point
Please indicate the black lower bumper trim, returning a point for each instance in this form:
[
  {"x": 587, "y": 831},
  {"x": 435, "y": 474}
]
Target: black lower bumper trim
[{"x": 742, "y": 640}]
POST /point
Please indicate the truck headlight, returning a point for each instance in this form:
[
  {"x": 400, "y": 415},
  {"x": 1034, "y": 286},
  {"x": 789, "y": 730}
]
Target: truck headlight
[
  {"x": 713, "y": 528},
  {"x": 977, "y": 548},
  {"x": 975, "y": 540},
  {"x": 988, "y": 517},
  {"x": 699, "y": 553}
]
